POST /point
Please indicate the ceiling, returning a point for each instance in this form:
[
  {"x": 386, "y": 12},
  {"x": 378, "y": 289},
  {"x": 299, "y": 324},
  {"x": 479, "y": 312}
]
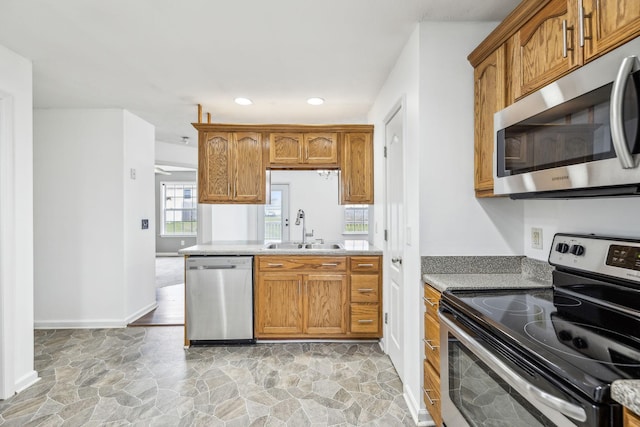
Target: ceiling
[{"x": 160, "y": 58}]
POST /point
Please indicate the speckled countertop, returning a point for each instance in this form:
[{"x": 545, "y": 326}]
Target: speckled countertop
[
  {"x": 627, "y": 393},
  {"x": 442, "y": 282},
  {"x": 255, "y": 247}
]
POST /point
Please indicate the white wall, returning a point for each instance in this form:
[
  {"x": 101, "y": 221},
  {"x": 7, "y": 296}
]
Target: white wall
[
  {"x": 139, "y": 203},
  {"x": 454, "y": 221},
  {"x": 607, "y": 217},
  {"x": 16, "y": 224},
  {"x": 86, "y": 221},
  {"x": 176, "y": 155},
  {"x": 403, "y": 83}
]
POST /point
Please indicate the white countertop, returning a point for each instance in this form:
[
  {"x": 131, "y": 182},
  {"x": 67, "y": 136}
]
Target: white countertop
[{"x": 258, "y": 247}]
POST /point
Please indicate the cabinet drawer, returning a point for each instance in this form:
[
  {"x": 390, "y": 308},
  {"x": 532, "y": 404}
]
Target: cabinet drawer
[
  {"x": 431, "y": 393},
  {"x": 431, "y": 301},
  {"x": 365, "y": 263},
  {"x": 432, "y": 341},
  {"x": 364, "y": 318},
  {"x": 364, "y": 288},
  {"x": 299, "y": 263}
]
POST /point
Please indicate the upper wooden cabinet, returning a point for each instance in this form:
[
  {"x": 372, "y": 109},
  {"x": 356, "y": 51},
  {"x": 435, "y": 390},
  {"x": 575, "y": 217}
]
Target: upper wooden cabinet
[
  {"x": 608, "y": 24},
  {"x": 539, "y": 42},
  {"x": 356, "y": 166},
  {"x": 489, "y": 98},
  {"x": 302, "y": 150},
  {"x": 231, "y": 167},
  {"x": 233, "y": 158}
]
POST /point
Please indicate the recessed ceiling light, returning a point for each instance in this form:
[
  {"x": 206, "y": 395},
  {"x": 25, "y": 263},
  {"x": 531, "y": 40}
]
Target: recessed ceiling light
[
  {"x": 315, "y": 101},
  {"x": 243, "y": 101}
]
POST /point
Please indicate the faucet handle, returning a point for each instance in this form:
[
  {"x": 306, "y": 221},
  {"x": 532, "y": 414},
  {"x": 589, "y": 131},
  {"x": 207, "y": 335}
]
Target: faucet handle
[{"x": 309, "y": 234}]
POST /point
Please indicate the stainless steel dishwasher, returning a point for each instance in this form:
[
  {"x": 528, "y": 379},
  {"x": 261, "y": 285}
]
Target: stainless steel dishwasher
[{"x": 219, "y": 299}]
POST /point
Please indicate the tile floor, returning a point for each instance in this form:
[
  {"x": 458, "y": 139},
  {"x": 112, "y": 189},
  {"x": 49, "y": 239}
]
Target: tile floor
[{"x": 143, "y": 376}]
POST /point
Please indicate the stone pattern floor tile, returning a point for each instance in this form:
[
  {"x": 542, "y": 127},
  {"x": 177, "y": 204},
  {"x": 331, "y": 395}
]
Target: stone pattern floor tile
[{"x": 144, "y": 377}]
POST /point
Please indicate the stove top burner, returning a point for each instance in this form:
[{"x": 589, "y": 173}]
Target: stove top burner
[
  {"x": 513, "y": 306},
  {"x": 585, "y": 341}
]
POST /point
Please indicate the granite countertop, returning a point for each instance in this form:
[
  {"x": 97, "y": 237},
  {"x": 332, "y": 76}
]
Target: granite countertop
[
  {"x": 627, "y": 393},
  {"x": 442, "y": 282},
  {"x": 258, "y": 247}
]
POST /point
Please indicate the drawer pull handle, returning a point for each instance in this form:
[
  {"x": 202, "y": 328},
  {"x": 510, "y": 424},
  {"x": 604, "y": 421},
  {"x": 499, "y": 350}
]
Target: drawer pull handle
[
  {"x": 365, "y": 290},
  {"x": 431, "y": 347},
  {"x": 330, "y": 264},
  {"x": 365, "y": 265},
  {"x": 275, "y": 265},
  {"x": 426, "y": 393},
  {"x": 431, "y": 303},
  {"x": 365, "y": 321}
]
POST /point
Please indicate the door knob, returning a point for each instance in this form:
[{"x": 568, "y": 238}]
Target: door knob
[{"x": 396, "y": 260}]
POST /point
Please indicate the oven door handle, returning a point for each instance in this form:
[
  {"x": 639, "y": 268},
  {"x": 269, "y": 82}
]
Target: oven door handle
[{"x": 530, "y": 391}]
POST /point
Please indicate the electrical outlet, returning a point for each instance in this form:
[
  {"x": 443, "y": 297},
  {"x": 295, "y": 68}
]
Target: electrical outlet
[
  {"x": 181, "y": 242},
  {"x": 132, "y": 173},
  {"x": 536, "y": 238}
]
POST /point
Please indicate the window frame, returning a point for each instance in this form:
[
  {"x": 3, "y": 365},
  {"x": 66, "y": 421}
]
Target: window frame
[
  {"x": 163, "y": 208},
  {"x": 345, "y": 222}
]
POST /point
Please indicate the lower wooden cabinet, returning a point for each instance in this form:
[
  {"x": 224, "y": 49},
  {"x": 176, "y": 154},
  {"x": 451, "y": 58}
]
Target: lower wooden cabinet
[
  {"x": 431, "y": 385},
  {"x": 317, "y": 297},
  {"x": 631, "y": 419}
]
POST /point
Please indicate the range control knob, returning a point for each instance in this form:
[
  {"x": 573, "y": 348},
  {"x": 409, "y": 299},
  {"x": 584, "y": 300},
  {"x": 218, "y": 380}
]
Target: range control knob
[
  {"x": 577, "y": 250},
  {"x": 580, "y": 343},
  {"x": 563, "y": 248}
]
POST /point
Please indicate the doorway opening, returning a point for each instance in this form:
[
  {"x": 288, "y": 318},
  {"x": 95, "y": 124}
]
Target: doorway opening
[{"x": 273, "y": 219}]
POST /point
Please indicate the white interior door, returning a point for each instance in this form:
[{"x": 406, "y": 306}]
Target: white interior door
[
  {"x": 395, "y": 238},
  {"x": 273, "y": 219}
]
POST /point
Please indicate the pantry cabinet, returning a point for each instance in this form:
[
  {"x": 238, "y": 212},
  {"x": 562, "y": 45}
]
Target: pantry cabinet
[
  {"x": 231, "y": 167},
  {"x": 310, "y": 297}
]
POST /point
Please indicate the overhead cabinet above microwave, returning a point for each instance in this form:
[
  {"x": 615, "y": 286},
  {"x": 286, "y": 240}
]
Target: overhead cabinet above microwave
[
  {"x": 539, "y": 42},
  {"x": 234, "y": 159}
]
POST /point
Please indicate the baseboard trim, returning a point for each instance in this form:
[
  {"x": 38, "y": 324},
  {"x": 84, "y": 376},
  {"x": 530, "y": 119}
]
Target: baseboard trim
[
  {"x": 420, "y": 416},
  {"x": 26, "y": 381},
  {"x": 80, "y": 324},
  {"x": 138, "y": 314}
]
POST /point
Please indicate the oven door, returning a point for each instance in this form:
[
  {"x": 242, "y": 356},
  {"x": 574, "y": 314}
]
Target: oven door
[{"x": 480, "y": 388}]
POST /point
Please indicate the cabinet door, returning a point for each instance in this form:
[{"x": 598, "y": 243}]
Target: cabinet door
[
  {"x": 215, "y": 167},
  {"x": 285, "y": 148},
  {"x": 249, "y": 168},
  {"x": 489, "y": 98},
  {"x": 279, "y": 304},
  {"x": 325, "y": 304},
  {"x": 356, "y": 164},
  {"x": 541, "y": 43},
  {"x": 321, "y": 148},
  {"x": 608, "y": 24}
]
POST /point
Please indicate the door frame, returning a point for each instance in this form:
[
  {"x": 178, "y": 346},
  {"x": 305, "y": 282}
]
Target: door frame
[
  {"x": 286, "y": 192},
  {"x": 398, "y": 107},
  {"x": 7, "y": 240}
]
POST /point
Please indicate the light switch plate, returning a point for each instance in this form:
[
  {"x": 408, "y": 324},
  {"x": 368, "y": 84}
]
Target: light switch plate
[
  {"x": 145, "y": 224},
  {"x": 536, "y": 238}
]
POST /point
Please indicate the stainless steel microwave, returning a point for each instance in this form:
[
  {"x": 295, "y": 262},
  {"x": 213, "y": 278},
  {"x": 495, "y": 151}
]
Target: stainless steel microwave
[{"x": 577, "y": 137}]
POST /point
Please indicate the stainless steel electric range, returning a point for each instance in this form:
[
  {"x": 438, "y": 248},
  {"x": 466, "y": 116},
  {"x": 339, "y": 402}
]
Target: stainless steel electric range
[{"x": 545, "y": 357}]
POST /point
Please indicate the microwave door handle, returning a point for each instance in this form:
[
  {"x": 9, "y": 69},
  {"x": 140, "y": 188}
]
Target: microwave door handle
[
  {"x": 528, "y": 390},
  {"x": 617, "y": 123}
]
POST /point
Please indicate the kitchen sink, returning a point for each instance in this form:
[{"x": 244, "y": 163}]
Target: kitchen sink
[{"x": 313, "y": 246}]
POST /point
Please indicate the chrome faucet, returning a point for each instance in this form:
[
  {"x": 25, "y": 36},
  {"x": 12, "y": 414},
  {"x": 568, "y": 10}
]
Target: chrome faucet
[{"x": 299, "y": 217}]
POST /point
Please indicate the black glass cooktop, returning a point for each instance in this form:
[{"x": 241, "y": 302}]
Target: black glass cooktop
[{"x": 576, "y": 338}]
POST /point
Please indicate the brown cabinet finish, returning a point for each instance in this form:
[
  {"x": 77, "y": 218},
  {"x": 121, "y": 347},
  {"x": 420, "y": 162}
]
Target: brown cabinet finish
[
  {"x": 608, "y": 24},
  {"x": 431, "y": 387},
  {"x": 231, "y": 167},
  {"x": 631, "y": 419},
  {"x": 285, "y": 148},
  {"x": 303, "y": 150},
  {"x": 365, "y": 296},
  {"x": 321, "y": 149},
  {"x": 318, "y": 288},
  {"x": 356, "y": 165},
  {"x": 489, "y": 98}
]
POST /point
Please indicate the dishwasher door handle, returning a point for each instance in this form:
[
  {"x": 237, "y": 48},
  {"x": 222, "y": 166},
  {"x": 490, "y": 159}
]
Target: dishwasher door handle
[{"x": 213, "y": 267}]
